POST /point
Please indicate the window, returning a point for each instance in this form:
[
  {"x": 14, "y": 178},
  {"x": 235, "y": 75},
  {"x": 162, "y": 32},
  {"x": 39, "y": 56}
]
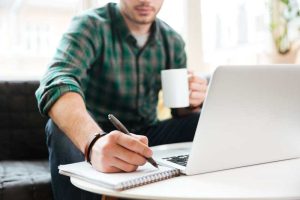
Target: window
[
  {"x": 235, "y": 31},
  {"x": 30, "y": 31}
]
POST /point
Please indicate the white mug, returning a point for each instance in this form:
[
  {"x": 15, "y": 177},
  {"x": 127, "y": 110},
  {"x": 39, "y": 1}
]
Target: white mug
[{"x": 175, "y": 88}]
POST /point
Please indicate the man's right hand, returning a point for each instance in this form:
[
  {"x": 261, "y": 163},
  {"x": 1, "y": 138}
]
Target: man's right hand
[{"x": 116, "y": 152}]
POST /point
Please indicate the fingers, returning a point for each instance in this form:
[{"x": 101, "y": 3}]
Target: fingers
[
  {"x": 197, "y": 95},
  {"x": 198, "y": 84},
  {"x": 114, "y": 165},
  {"x": 197, "y": 79},
  {"x": 105, "y": 168},
  {"x": 196, "y": 98},
  {"x": 127, "y": 156},
  {"x": 141, "y": 138},
  {"x": 111, "y": 164},
  {"x": 122, "y": 165},
  {"x": 120, "y": 152},
  {"x": 198, "y": 88},
  {"x": 133, "y": 144}
]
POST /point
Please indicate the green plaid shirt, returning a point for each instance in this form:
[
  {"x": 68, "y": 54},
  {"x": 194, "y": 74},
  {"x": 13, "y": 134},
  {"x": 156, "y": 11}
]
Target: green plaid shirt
[{"x": 99, "y": 59}]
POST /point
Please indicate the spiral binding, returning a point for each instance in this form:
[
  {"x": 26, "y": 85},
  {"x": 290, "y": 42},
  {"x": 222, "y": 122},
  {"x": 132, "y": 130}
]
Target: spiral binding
[{"x": 149, "y": 179}]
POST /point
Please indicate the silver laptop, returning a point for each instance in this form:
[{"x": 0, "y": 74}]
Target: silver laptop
[{"x": 251, "y": 115}]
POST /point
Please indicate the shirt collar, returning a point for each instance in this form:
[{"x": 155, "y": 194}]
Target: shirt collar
[
  {"x": 155, "y": 36},
  {"x": 119, "y": 23}
]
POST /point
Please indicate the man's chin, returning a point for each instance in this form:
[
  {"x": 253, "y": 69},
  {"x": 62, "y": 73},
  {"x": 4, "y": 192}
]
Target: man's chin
[
  {"x": 141, "y": 20},
  {"x": 145, "y": 21}
]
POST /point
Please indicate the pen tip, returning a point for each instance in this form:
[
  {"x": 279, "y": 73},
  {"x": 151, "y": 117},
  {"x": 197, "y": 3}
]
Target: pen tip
[
  {"x": 155, "y": 165},
  {"x": 152, "y": 162}
]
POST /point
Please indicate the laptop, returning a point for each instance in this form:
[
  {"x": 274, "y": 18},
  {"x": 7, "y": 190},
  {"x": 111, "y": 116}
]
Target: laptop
[{"x": 251, "y": 116}]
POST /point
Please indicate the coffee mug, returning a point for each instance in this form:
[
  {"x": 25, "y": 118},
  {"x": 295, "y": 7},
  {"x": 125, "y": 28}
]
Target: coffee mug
[{"x": 175, "y": 88}]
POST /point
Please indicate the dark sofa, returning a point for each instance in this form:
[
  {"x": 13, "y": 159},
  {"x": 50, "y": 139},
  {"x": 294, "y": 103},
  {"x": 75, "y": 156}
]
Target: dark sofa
[{"x": 24, "y": 170}]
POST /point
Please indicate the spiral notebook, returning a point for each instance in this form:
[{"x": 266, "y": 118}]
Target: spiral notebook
[{"x": 118, "y": 181}]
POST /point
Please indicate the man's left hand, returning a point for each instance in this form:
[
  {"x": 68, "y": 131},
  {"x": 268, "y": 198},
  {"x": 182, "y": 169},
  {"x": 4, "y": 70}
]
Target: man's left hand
[{"x": 197, "y": 89}]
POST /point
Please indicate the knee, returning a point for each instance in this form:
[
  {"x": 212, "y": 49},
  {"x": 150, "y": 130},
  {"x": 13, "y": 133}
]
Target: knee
[
  {"x": 194, "y": 117},
  {"x": 60, "y": 145},
  {"x": 53, "y": 132},
  {"x": 52, "y": 128},
  {"x": 192, "y": 121}
]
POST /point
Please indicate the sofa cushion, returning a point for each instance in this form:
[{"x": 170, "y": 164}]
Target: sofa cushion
[
  {"x": 25, "y": 180},
  {"x": 21, "y": 125}
]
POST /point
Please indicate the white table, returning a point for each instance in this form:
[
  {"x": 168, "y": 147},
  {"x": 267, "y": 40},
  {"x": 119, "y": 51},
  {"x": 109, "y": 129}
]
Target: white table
[{"x": 272, "y": 181}]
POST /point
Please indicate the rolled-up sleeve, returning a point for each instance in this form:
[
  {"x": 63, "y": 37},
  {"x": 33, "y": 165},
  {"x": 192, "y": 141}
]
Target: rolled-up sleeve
[{"x": 67, "y": 71}]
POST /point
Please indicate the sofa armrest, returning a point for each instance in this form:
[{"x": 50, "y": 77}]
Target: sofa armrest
[{"x": 21, "y": 126}]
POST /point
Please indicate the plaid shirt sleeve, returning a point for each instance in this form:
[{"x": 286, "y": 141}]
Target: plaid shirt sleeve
[{"x": 67, "y": 71}]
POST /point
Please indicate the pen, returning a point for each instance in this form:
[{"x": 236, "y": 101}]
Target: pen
[{"x": 123, "y": 129}]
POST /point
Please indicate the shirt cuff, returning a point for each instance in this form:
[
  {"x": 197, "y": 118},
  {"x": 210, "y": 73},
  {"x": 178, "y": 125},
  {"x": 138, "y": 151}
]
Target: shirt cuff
[{"x": 53, "y": 94}]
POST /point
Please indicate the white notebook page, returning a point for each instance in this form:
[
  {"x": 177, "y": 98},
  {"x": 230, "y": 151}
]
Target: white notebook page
[{"x": 118, "y": 181}]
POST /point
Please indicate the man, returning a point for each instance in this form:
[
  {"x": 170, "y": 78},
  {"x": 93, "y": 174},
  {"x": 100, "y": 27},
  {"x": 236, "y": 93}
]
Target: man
[{"x": 109, "y": 61}]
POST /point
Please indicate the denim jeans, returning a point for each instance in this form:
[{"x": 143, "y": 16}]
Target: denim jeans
[{"x": 63, "y": 151}]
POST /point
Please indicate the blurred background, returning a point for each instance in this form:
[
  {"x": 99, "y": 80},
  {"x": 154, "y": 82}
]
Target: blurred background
[{"x": 216, "y": 32}]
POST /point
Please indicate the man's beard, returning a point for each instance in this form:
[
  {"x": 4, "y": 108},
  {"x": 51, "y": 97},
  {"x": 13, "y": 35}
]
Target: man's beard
[{"x": 142, "y": 21}]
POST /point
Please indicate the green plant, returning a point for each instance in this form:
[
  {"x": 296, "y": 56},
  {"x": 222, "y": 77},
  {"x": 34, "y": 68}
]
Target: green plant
[{"x": 282, "y": 13}]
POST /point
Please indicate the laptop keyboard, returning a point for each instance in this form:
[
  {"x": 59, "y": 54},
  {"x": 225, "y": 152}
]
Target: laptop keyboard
[{"x": 180, "y": 160}]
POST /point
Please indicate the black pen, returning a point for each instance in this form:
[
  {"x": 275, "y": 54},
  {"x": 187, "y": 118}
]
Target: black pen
[{"x": 123, "y": 129}]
